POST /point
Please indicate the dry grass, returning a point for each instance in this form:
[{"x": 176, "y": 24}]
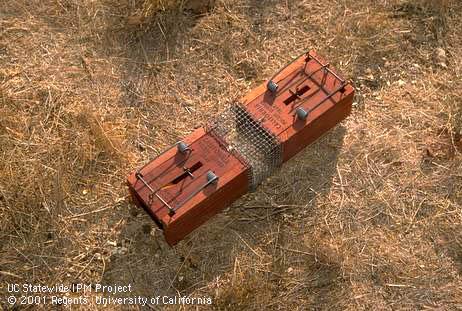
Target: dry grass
[{"x": 368, "y": 217}]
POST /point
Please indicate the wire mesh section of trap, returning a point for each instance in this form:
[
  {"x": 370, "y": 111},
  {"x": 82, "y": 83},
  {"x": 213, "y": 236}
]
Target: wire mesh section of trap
[{"x": 244, "y": 136}]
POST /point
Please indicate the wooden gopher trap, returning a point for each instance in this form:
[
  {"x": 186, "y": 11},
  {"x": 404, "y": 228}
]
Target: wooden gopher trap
[{"x": 232, "y": 154}]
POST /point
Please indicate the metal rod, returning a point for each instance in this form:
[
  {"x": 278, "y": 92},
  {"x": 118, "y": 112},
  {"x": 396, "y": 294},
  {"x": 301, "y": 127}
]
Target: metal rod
[
  {"x": 342, "y": 86},
  {"x": 188, "y": 171},
  {"x": 320, "y": 88},
  {"x": 139, "y": 176},
  {"x": 287, "y": 65},
  {"x": 304, "y": 78},
  {"x": 328, "y": 69},
  {"x": 170, "y": 209},
  {"x": 211, "y": 178}
]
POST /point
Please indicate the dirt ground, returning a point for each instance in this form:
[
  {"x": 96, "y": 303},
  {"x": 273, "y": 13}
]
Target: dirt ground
[{"x": 369, "y": 217}]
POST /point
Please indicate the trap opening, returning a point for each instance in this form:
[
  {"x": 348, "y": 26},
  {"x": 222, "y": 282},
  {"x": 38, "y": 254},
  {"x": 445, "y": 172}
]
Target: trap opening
[{"x": 296, "y": 94}]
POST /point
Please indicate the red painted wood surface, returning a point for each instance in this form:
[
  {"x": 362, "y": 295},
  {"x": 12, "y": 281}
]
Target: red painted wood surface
[
  {"x": 167, "y": 176},
  {"x": 277, "y": 111}
]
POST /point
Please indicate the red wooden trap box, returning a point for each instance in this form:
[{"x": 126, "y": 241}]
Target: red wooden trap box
[
  {"x": 189, "y": 183},
  {"x": 301, "y": 102},
  {"x": 209, "y": 169}
]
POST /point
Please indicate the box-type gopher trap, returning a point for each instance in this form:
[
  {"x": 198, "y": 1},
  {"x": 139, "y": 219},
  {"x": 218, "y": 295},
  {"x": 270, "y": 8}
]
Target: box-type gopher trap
[{"x": 232, "y": 154}]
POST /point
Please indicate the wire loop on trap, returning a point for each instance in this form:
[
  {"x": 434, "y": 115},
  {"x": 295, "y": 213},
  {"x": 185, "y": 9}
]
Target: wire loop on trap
[{"x": 244, "y": 136}]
